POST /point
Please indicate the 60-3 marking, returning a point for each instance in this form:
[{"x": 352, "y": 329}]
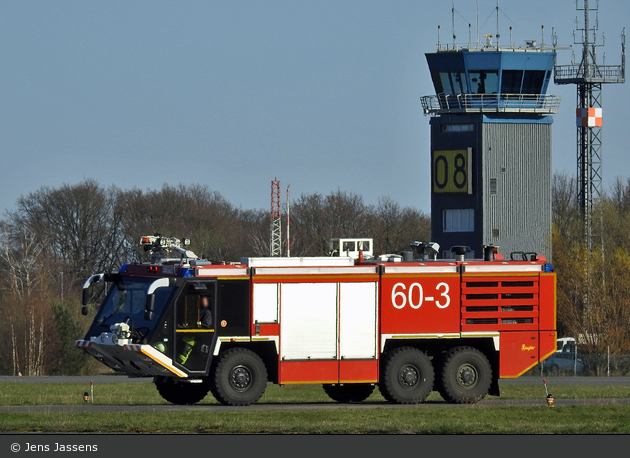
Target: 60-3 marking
[{"x": 415, "y": 296}]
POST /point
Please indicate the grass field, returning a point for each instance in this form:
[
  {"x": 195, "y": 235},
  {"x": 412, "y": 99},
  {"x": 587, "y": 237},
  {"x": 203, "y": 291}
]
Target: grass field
[{"x": 436, "y": 419}]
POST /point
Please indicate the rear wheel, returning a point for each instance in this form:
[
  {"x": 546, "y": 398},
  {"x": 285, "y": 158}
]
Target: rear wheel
[
  {"x": 466, "y": 376},
  {"x": 240, "y": 378},
  {"x": 353, "y": 392},
  {"x": 407, "y": 376},
  {"x": 177, "y": 392}
]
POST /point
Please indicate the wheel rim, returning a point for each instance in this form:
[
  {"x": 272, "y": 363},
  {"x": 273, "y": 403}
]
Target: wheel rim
[
  {"x": 408, "y": 376},
  {"x": 240, "y": 378},
  {"x": 467, "y": 376}
]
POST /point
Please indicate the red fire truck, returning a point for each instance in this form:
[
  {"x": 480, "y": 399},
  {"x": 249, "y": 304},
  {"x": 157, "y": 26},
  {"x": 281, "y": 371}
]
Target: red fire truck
[{"x": 406, "y": 324}]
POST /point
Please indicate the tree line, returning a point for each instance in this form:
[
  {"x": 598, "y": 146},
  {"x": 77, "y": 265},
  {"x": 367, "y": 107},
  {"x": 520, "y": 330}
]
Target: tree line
[
  {"x": 56, "y": 237},
  {"x": 593, "y": 278}
]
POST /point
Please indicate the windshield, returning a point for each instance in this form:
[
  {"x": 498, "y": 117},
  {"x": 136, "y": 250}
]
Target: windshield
[{"x": 126, "y": 301}]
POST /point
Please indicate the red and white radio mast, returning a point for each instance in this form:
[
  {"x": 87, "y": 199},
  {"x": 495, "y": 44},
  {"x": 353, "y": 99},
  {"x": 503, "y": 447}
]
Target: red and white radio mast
[{"x": 276, "y": 222}]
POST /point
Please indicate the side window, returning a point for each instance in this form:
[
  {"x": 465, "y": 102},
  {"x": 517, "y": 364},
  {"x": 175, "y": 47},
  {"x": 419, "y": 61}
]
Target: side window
[
  {"x": 188, "y": 311},
  {"x": 194, "y": 309},
  {"x": 233, "y": 313},
  {"x": 194, "y": 325}
]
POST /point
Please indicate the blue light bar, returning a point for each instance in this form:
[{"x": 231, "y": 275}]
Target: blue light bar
[{"x": 184, "y": 273}]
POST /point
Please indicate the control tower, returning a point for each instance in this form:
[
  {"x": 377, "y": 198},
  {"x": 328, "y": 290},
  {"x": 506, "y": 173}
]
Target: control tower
[{"x": 491, "y": 122}]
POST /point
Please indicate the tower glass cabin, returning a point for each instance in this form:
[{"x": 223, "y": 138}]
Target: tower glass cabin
[{"x": 491, "y": 147}]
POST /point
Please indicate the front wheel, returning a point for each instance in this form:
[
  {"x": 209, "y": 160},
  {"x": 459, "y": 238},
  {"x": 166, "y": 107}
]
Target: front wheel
[
  {"x": 353, "y": 392},
  {"x": 240, "y": 378},
  {"x": 407, "y": 376},
  {"x": 178, "y": 392},
  {"x": 466, "y": 376}
]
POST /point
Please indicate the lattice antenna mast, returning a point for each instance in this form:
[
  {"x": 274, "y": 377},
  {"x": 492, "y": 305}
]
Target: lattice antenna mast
[
  {"x": 276, "y": 221},
  {"x": 589, "y": 76}
]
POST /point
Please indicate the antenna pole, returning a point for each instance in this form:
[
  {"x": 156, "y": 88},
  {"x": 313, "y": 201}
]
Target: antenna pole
[
  {"x": 288, "y": 223},
  {"x": 477, "y": 23},
  {"x": 498, "y": 35},
  {"x": 589, "y": 77},
  {"x": 453, "y": 22}
]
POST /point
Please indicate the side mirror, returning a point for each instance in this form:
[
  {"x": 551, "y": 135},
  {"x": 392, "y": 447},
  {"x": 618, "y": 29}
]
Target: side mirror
[
  {"x": 149, "y": 307},
  {"x": 150, "y": 303},
  {"x": 85, "y": 297},
  {"x": 84, "y": 310}
]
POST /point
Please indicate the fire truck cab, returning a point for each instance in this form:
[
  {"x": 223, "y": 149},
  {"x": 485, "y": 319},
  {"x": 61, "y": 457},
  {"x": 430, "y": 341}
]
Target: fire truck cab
[{"x": 407, "y": 326}]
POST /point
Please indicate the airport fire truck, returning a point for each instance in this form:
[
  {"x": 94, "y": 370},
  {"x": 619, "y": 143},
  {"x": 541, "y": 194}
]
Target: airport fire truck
[{"x": 408, "y": 324}]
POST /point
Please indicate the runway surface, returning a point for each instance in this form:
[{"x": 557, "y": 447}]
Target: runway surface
[
  {"x": 567, "y": 380},
  {"x": 551, "y": 381}
]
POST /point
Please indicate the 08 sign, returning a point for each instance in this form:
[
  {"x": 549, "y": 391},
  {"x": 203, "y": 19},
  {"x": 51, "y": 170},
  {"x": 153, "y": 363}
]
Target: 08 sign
[{"x": 451, "y": 171}]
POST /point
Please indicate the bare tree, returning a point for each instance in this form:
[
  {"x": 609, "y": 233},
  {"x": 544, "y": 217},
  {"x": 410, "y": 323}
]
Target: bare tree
[
  {"x": 184, "y": 211},
  {"x": 315, "y": 219},
  {"x": 564, "y": 205},
  {"x": 256, "y": 230},
  {"x": 78, "y": 227},
  {"x": 395, "y": 228},
  {"x": 22, "y": 260}
]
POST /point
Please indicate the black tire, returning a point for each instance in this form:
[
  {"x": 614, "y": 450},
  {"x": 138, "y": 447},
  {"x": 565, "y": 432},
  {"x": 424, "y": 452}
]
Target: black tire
[
  {"x": 240, "y": 378},
  {"x": 407, "y": 376},
  {"x": 177, "y": 392},
  {"x": 466, "y": 376},
  {"x": 353, "y": 392}
]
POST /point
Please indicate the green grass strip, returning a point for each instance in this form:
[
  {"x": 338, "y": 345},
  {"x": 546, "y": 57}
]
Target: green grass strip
[
  {"x": 610, "y": 419},
  {"x": 373, "y": 419}
]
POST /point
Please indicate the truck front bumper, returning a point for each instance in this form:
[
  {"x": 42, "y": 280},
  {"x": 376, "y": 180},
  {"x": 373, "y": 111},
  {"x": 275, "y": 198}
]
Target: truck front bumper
[{"x": 133, "y": 359}]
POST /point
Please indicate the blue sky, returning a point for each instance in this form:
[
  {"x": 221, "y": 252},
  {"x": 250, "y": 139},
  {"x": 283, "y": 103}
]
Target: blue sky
[{"x": 319, "y": 94}]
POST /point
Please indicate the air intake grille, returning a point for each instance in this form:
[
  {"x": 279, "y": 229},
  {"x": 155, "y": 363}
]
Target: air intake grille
[{"x": 499, "y": 303}]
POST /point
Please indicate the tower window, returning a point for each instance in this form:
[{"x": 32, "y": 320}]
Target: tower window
[
  {"x": 484, "y": 82},
  {"x": 459, "y": 220},
  {"x": 458, "y": 128},
  {"x": 451, "y": 83},
  {"x": 511, "y": 81},
  {"x": 533, "y": 81}
]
